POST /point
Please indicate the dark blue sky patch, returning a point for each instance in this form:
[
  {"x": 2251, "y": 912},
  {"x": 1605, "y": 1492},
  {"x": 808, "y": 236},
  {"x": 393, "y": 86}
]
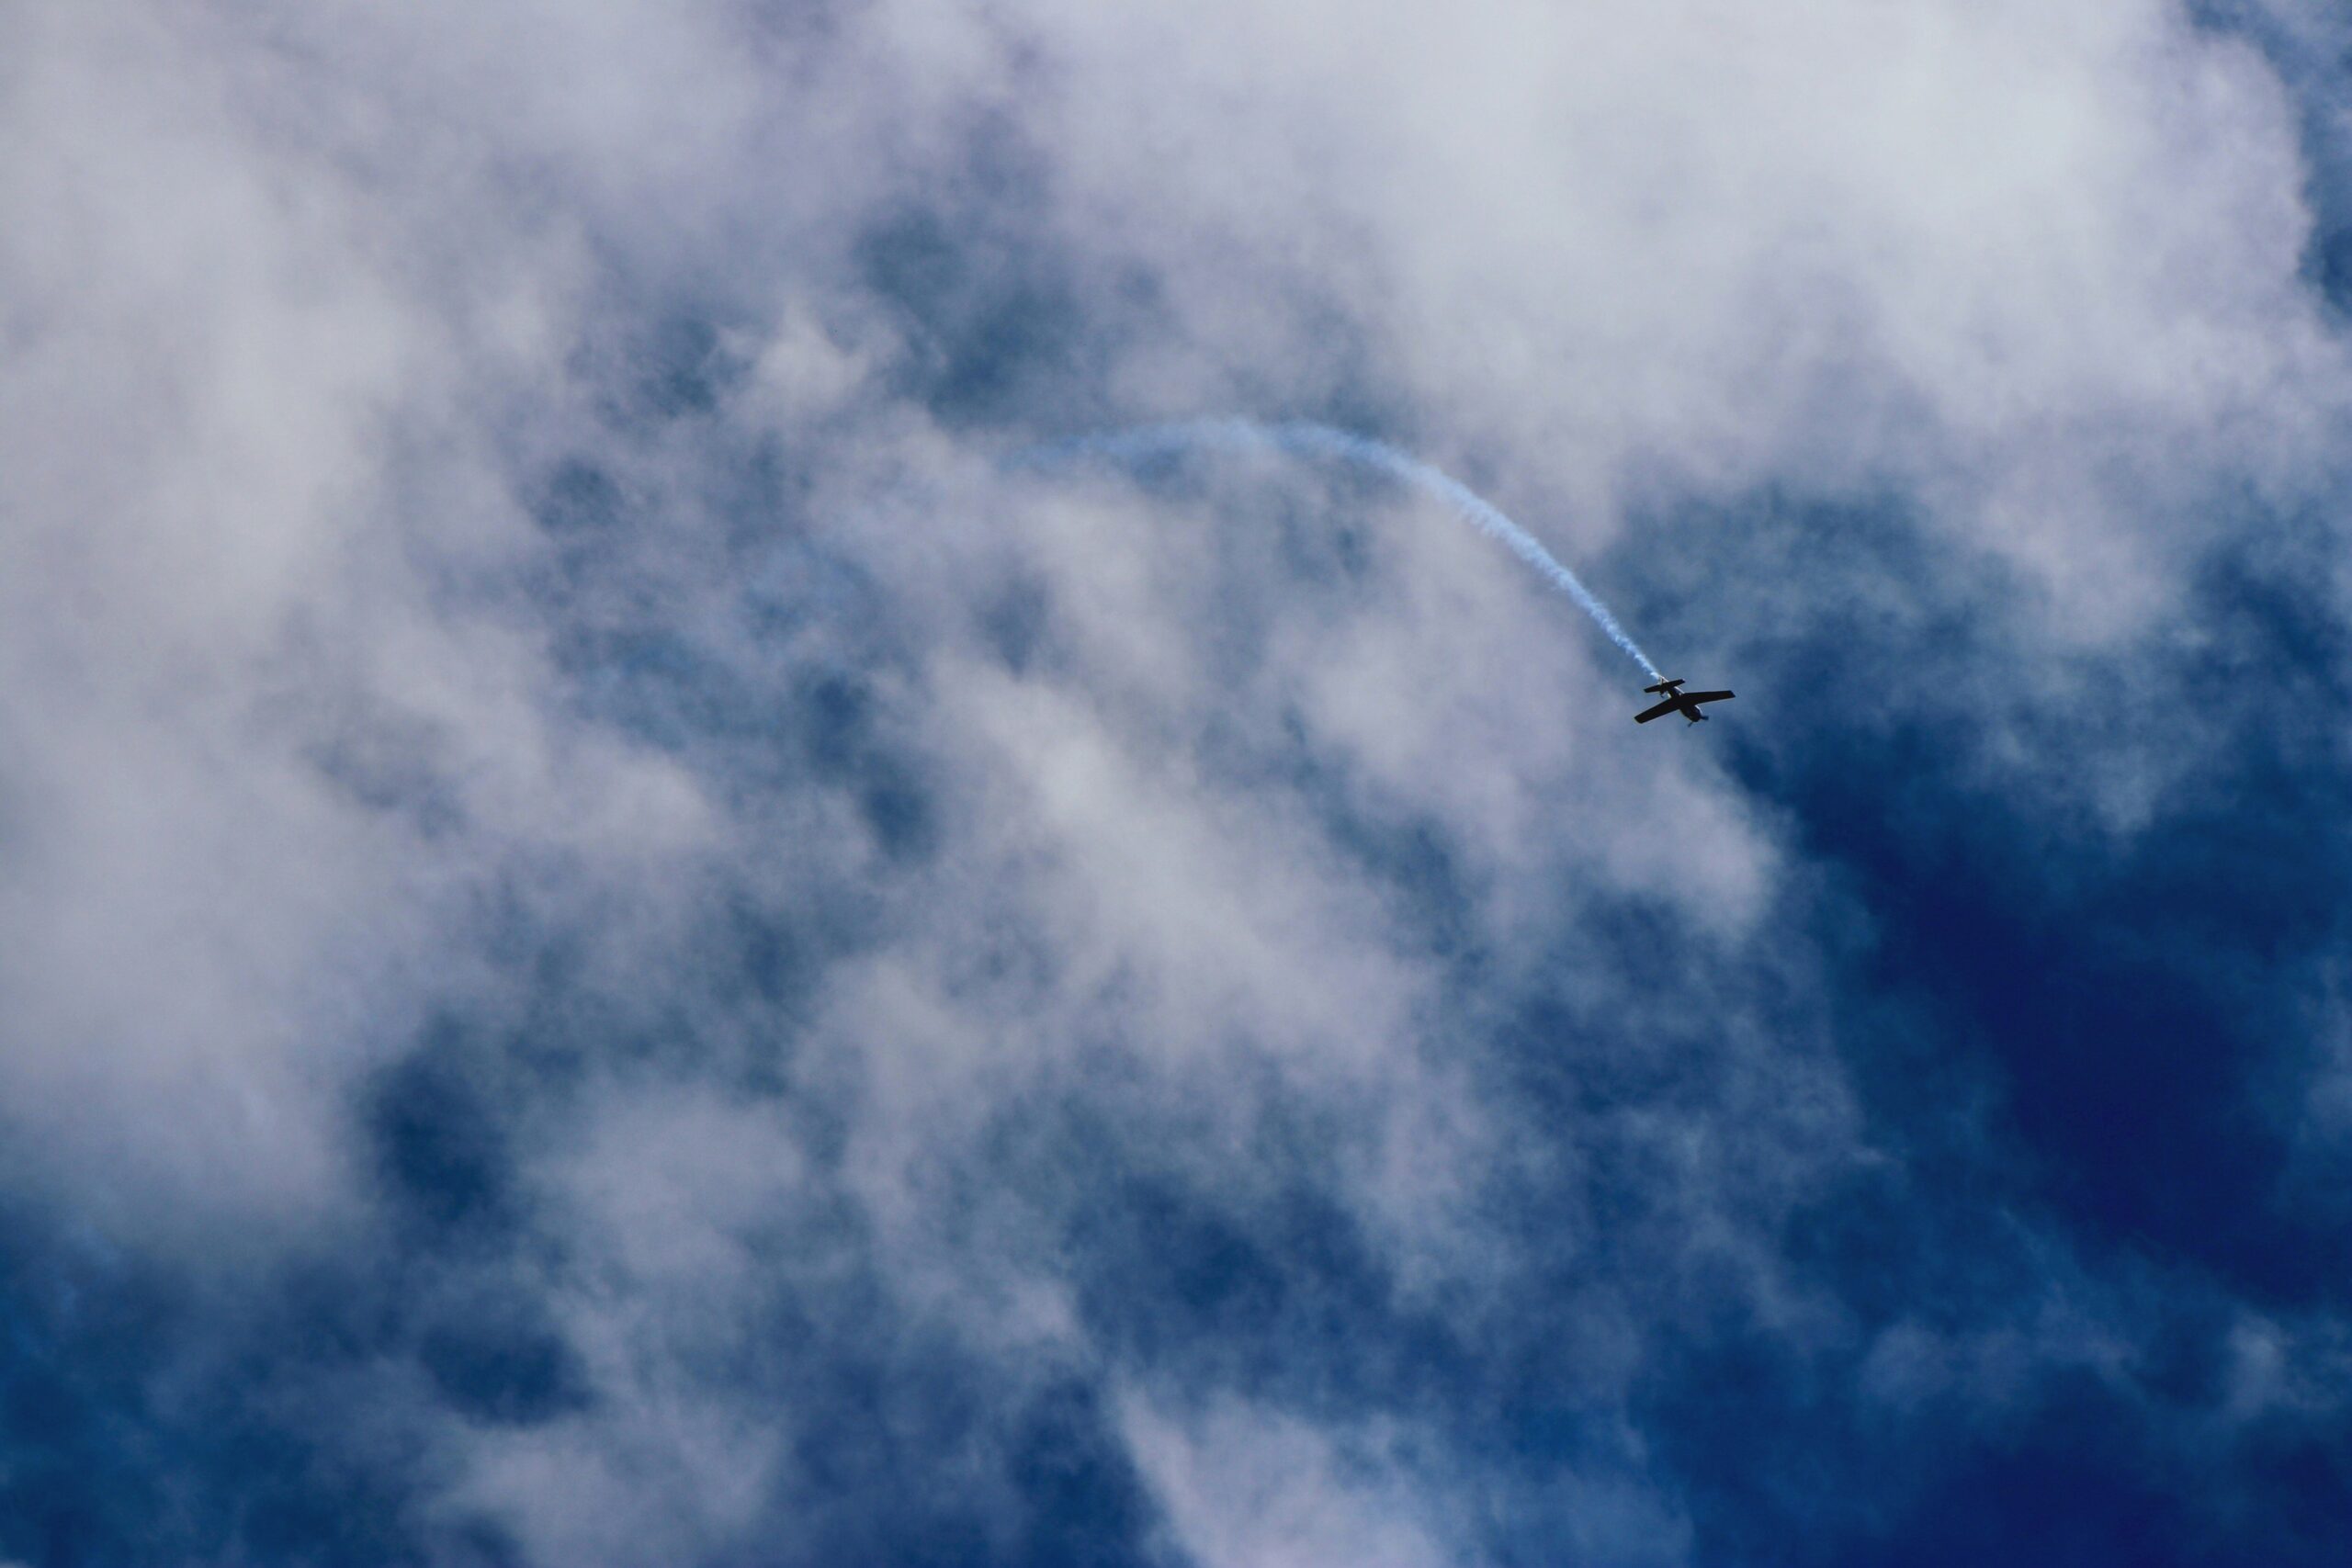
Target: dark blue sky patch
[
  {"x": 2071, "y": 1492},
  {"x": 84, "y": 1336},
  {"x": 668, "y": 690},
  {"x": 579, "y": 498},
  {"x": 2131, "y": 1005},
  {"x": 681, "y": 370},
  {"x": 653, "y": 364},
  {"x": 907, "y": 1449},
  {"x": 496, "y": 1358},
  {"x": 2077, "y": 1488},
  {"x": 1017, "y": 623},
  {"x": 2291, "y": 1495},
  {"x": 991, "y": 319},
  {"x": 438, "y": 1128},
  {"x": 2046, "y": 1016},
  {"x": 1278, "y": 1297},
  {"x": 2120, "y": 1073},
  {"x": 1084, "y": 1505},
  {"x": 2126, "y": 993},
  {"x": 1782, "y": 1465},
  {"x": 846, "y": 743},
  {"x": 2331, "y": 265},
  {"x": 772, "y": 954},
  {"x": 148, "y": 1415}
]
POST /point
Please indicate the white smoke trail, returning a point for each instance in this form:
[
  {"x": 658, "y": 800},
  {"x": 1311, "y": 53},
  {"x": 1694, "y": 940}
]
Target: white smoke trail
[{"x": 1326, "y": 441}]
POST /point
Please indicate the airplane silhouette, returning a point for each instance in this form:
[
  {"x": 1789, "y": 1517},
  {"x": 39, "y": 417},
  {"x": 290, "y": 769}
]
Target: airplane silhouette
[{"x": 1679, "y": 701}]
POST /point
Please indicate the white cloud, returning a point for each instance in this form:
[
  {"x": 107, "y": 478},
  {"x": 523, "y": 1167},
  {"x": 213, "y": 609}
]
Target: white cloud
[
  {"x": 665, "y": 1210},
  {"x": 300, "y": 306},
  {"x": 1255, "y": 1489},
  {"x": 2041, "y": 260},
  {"x": 231, "y": 675}
]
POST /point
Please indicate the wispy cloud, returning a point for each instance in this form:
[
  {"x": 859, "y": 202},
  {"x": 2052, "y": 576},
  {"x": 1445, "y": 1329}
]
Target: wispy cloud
[{"x": 617, "y": 944}]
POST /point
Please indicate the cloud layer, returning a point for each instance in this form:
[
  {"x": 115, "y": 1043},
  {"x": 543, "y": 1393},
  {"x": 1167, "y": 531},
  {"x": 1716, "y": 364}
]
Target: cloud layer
[{"x": 619, "y": 944}]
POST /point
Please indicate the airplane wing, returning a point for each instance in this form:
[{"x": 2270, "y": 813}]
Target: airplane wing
[
  {"x": 1660, "y": 711},
  {"x": 1704, "y": 697}
]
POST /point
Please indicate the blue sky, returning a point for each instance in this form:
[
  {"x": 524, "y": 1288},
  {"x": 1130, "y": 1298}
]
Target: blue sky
[{"x": 619, "y": 944}]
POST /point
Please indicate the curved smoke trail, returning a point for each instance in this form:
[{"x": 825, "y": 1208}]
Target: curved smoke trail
[{"x": 1325, "y": 441}]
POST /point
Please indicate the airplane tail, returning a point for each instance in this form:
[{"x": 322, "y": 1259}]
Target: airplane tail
[{"x": 1663, "y": 686}]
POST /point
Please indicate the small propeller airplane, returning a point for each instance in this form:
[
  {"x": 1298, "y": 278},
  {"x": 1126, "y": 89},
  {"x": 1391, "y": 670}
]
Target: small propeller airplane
[{"x": 1679, "y": 701}]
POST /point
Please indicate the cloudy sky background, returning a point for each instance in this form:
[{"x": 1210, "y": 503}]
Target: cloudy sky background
[{"x": 620, "y": 945}]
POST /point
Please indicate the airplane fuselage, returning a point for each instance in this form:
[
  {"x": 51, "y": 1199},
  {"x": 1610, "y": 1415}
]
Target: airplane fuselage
[{"x": 1676, "y": 700}]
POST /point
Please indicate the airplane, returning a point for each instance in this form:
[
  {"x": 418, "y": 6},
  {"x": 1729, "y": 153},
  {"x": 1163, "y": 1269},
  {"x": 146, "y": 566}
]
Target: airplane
[{"x": 1679, "y": 701}]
